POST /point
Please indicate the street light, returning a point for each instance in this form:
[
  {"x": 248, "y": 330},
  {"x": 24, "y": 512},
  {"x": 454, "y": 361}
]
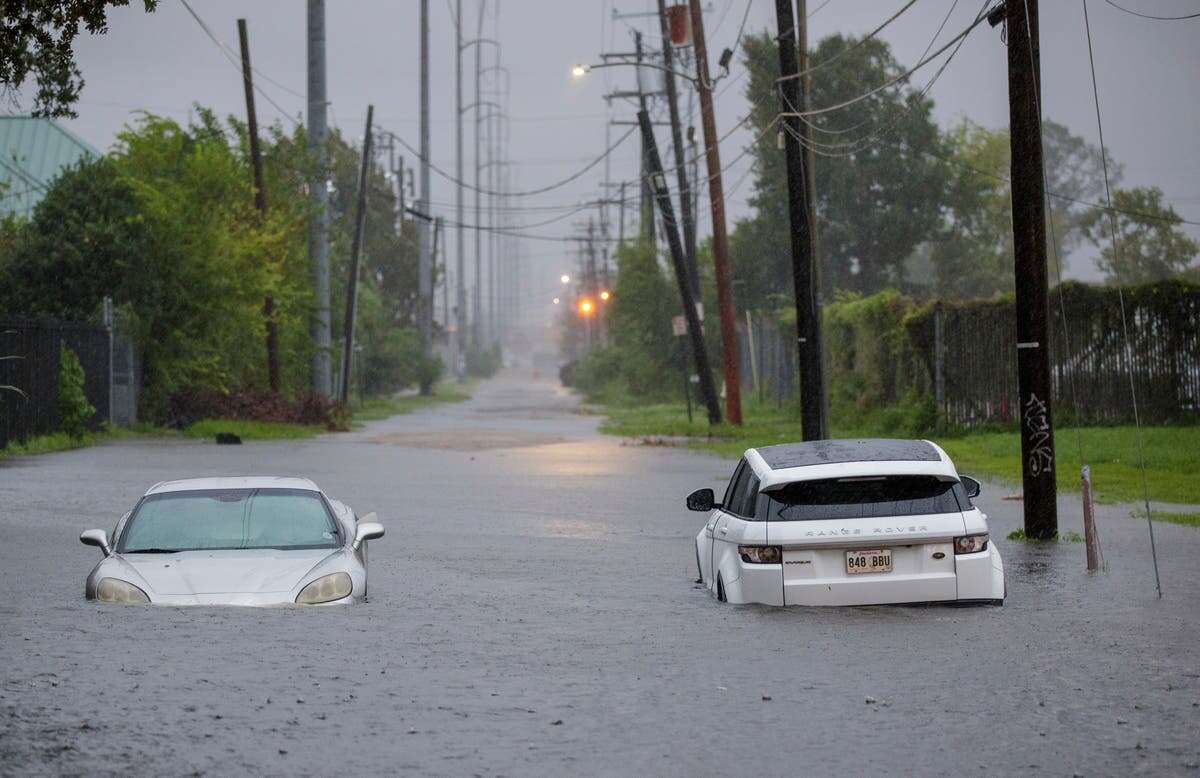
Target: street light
[
  {"x": 556, "y": 301},
  {"x": 566, "y": 279},
  {"x": 586, "y": 307},
  {"x": 580, "y": 70},
  {"x": 605, "y": 295}
]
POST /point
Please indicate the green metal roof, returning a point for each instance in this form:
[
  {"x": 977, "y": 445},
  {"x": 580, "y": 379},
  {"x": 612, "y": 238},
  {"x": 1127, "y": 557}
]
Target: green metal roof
[{"x": 32, "y": 153}]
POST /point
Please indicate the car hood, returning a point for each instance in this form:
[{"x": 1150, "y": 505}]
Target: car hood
[{"x": 239, "y": 571}]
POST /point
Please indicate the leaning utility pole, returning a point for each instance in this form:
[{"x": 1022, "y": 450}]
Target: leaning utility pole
[
  {"x": 360, "y": 220},
  {"x": 720, "y": 240},
  {"x": 646, "y": 212},
  {"x": 804, "y": 280},
  {"x": 1029, "y": 251},
  {"x": 318, "y": 193},
  {"x": 425, "y": 255},
  {"x": 260, "y": 202},
  {"x": 685, "y": 192},
  {"x": 695, "y": 332}
]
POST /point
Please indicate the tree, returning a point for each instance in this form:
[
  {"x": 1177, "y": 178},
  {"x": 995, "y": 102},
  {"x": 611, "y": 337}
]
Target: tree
[
  {"x": 880, "y": 184},
  {"x": 36, "y": 39},
  {"x": 1150, "y": 246}
]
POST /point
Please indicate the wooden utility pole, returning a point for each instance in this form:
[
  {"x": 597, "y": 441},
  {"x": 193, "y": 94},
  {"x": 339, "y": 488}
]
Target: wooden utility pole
[
  {"x": 685, "y": 191},
  {"x": 260, "y": 202},
  {"x": 646, "y": 211},
  {"x": 1029, "y": 249},
  {"x": 804, "y": 281},
  {"x": 663, "y": 195},
  {"x": 360, "y": 219},
  {"x": 720, "y": 240},
  {"x": 318, "y": 236}
]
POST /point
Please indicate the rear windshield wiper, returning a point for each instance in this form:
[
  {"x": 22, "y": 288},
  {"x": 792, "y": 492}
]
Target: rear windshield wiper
[{"x": 152, "y": 550}]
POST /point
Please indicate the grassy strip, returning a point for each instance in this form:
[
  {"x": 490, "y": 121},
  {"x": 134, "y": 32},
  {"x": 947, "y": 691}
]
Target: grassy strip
[
  {"x": 1172, "y": 453},
  {"x": 378, "y": 408},
  {"x": 1185, "y": 519}
]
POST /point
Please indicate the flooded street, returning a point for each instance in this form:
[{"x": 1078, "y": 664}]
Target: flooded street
[{"x": 532, "y": 611}]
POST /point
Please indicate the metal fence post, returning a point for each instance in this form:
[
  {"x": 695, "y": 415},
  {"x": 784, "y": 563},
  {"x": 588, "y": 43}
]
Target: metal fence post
[
  {"x": 939, "y": 386},
  {"x": 108, "y": 325}
]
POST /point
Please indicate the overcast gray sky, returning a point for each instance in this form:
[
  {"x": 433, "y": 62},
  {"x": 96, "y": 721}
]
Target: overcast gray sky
[{"x": 1148, "y": 74}]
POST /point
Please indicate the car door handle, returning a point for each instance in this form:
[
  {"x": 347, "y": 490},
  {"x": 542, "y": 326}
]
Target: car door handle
[{"x": 724, "y": 530}]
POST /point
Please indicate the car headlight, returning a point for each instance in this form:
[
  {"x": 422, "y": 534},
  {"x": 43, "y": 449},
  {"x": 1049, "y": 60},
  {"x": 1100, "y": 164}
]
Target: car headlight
[
  {"x": 970, "y": 544},
  {"x": 116, "y": 590},
  {"x": 761, "y": 555},
  {"x": 325, "y": 589}
]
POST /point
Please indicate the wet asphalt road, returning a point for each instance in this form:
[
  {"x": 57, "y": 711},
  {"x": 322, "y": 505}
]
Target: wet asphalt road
[{"x": 532, "y": 612}]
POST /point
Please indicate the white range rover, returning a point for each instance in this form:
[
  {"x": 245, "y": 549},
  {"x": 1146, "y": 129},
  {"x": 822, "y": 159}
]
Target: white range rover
[{"x": 847, "y": 522}]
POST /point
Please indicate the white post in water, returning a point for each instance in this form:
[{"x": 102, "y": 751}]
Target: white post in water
[{"x": 1090, "y": 539}]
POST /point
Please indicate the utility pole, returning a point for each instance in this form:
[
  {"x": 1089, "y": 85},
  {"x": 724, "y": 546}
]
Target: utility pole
[
  {"x": 260, "y": 202},
  {"x": 646, "y": 215},
  {"x": 425, "y": 255},
  {"x": 808, "y": 312},
  {"x": 659, "y": 181},
  {"x": 477, "y": 289},
  {"x": 433, "y": 255},
  {"x": 360, "y": 219},
  {"x": 318, "y": 193},
  {"x": 460, "y": 294},
  {"x": 1029, "y": 250},
  {"x": 685, "y": 196},
  {"x": 720, "y": 240}
]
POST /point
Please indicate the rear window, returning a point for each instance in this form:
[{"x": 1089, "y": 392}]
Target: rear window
[{"x": 863, "y": 498}]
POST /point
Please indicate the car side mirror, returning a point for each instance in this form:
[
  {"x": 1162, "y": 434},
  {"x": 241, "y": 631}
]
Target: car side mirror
[
  {"x": 972, "y": 486},
  {"x": 701, "y": 500},
  {"x": 368, "y": 529},
  {"x": 97, "y": 538}
]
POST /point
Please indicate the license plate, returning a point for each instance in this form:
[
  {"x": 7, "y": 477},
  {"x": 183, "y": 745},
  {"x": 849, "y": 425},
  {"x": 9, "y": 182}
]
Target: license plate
[{"x": 877, "y": 560}]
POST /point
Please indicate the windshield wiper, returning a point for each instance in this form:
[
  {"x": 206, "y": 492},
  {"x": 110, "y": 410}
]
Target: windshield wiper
[{"x": 152, "y": 551}]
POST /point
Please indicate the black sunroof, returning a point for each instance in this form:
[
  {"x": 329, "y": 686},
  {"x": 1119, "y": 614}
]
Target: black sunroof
[{"x": 830, "y": 452}]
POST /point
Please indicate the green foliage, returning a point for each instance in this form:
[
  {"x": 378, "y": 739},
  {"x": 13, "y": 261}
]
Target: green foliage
[
  {"x": 484, "y": 362},
  {"x": 252, "y": 430},
  {"x": 74, "y": 410},
  {"x": 1150, "y": 246},
  {"x": 166, "y": 225},
  {"x": 36, "y": 39},
  {"x": 643, "y": 361}
]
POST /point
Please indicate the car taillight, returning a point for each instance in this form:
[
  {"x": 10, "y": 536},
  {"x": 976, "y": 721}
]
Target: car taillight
[
  {"x": 761, "y": 555},
  {"x": 970, "y": 544}
]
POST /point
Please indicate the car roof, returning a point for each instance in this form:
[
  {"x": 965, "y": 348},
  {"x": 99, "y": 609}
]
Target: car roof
[
  {"x": 819, "y": 459},
  {"x": 234, "y": 482}
]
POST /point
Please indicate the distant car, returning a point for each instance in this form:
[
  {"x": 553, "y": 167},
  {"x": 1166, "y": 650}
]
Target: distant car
[
  {"x": 847, "y": 522},
  {"x": 234, "y": 541}
]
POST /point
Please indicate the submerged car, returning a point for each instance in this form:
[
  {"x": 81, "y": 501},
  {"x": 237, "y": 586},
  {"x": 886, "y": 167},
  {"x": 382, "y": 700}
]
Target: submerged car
[
  {"x": 234, "y": 541},
  {"x": 847, "y": 522}
]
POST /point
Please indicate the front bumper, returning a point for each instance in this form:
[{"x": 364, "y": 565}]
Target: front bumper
[{"x": 245, "y": 600}]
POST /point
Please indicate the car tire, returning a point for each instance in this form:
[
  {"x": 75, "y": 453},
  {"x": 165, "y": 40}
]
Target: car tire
[{"x": 720, "y": 590}]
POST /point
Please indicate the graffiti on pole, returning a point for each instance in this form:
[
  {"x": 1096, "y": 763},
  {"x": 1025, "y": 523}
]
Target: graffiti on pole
[{"x": 1037, "y": 427}]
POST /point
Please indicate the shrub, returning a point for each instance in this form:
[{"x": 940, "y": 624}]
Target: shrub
[
  {"x": 188, "y": 407},
  {"x": 74, "y": 410}
]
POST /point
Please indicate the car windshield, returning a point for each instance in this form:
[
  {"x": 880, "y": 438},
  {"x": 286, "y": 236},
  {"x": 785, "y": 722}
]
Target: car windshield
[
  {"x": 230, "y": 519},
  {"x": 863, "y": 498}
]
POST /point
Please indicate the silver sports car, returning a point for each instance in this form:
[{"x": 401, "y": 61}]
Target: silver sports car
[{"x": 234, "y": 541}]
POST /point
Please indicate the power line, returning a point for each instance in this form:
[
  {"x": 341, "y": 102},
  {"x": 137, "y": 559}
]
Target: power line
[
  {"x": 1112, "y": 224},
  {"x": 233, "y": 61},
  {"x": 857, "y": 44},
  {"x": 527, "y": 193},
  {"x": 1132, "y": 12}
]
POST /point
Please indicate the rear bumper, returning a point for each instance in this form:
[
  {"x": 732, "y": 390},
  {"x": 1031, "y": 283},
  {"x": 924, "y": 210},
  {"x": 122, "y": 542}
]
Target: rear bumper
[{"x": 971, "y": 578}]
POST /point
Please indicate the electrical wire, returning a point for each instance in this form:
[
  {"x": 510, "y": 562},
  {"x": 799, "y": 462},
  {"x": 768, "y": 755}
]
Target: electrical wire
[
  {"x": 1112, "y": 225},
  {"x": 858, "y": 44},
  {"x": 890, "y": 82},
  {"x": 237, "y": 65},
  {"x": 526, "y": 193},
  {"x": 1132, "y": 12}
]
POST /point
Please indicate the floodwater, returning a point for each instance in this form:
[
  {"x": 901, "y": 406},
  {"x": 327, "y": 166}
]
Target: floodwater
[{"x": 533, "y": 611}]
